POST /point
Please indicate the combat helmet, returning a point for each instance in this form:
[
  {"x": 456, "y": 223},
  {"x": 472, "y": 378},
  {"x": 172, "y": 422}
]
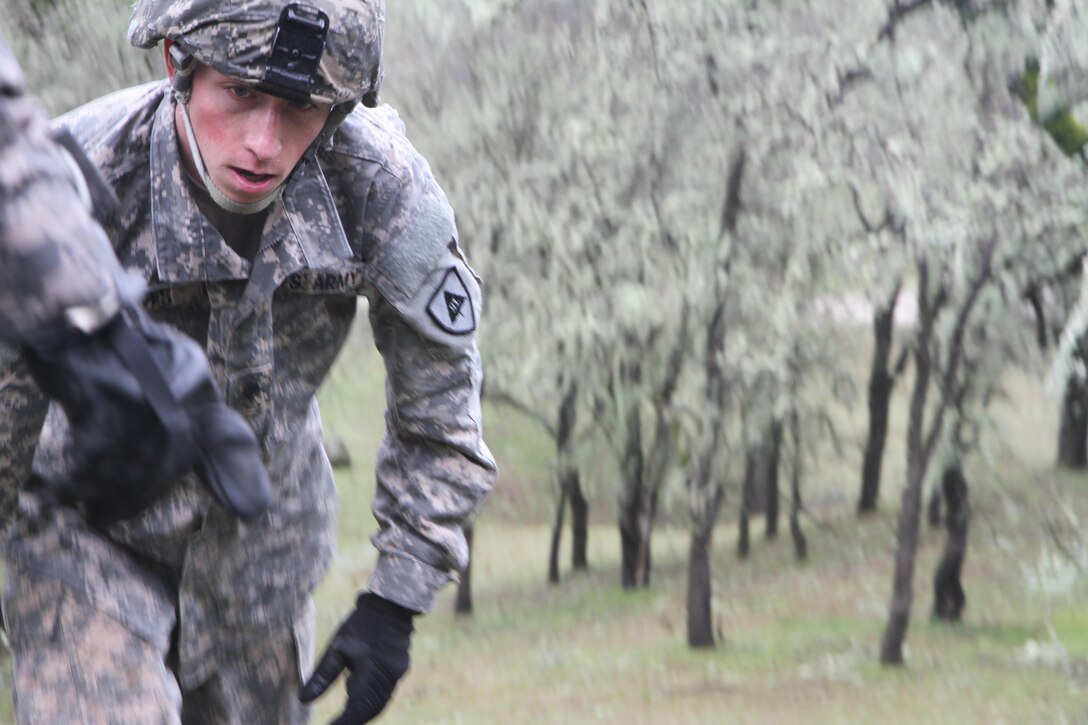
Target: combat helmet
[{"x": 319, "y": 51}]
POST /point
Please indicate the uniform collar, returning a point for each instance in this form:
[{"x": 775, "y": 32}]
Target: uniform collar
[{"x": 303, "y": 229}]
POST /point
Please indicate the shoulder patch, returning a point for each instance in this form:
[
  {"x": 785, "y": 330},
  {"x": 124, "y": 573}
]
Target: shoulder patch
[{"x": 451, "y": 306}]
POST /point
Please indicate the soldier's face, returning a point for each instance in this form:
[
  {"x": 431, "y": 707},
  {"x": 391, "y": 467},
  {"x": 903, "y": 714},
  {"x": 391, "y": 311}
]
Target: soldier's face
[{"x": 249, "y": 141}]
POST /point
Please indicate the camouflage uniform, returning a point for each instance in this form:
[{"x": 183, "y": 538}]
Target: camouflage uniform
[
  {"x": 365, "y": 218},
  {"x": 54, "y": 259}
]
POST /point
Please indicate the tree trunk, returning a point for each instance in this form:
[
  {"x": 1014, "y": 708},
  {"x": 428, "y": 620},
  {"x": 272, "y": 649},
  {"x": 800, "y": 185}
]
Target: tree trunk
[
  {"x": 922, "y": 440},
  {"x": 631, "y": 501},
  {"x": 568, "y": 473},
  {"x": 747, "y": 491},
  {"x": 910, "y": 510},
  {"x": 700, "y": 626},
  {"x": 557, "y": 534},
  {"x": 948, "y": 596},
  {"x": 770, "y": 480},
  {"x": 646, "y": 529},
  {"x": 462, "y": 604},
  {"x": 880, "y": 394},
  {"x": 933, "y": 510},
  {"x": 579, "y": 523},
  {"x": 891, "y": 650},
  {"x": 1073, "y": 431},
  {"x": 800, "y": 543}
]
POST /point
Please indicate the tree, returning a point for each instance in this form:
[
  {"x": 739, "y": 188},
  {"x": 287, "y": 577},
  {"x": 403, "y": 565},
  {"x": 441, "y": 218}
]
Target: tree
[
  {"x": 882, "y": 377},
  {"x": 1011, "y": 200},
  {"x": 1052, "y": 85}
]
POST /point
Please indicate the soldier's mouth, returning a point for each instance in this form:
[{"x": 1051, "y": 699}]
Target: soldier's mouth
[
  {"x": 252, "y": 184},
  {"x": 255, "y": 178}
]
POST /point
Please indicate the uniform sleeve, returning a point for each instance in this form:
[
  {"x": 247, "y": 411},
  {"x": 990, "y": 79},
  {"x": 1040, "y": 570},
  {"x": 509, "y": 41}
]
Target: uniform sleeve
[
  {"x": 433, "y": 467},
  {"x": 22, "y": 414},
  {"x": 56, "y": 264},
  {"x": 57, "y": 268}
]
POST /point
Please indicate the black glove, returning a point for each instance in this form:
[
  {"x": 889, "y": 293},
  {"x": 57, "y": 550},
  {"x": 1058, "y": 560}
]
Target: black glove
[
  {"x": 143, "y": 409},
  {"x": 372, "y": 644}
]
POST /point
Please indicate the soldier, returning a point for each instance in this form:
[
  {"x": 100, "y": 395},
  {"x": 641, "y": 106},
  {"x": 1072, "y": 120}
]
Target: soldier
[
  {"x": 139, "y": 398},
  {"x": 262, "y": 191}
]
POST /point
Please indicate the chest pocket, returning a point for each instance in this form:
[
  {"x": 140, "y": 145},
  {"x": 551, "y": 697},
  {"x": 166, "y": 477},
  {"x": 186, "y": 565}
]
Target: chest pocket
[{"x": 185, "y": 306}]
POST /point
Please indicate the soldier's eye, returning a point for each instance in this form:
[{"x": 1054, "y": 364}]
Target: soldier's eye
[{"x": 241, "y": 91}]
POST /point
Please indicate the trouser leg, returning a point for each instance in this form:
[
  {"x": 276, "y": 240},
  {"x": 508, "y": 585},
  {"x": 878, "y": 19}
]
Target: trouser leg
[
  {"x": 74, "y": 664},
  {"x": 257, "y": 678}
]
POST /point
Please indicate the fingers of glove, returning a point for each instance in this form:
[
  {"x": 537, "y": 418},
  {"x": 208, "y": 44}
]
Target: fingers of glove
[
  {"x": 369, "y": 688},
  {"x": 332, "y": 663}
]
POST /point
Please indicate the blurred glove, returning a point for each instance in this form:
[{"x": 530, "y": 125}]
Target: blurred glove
[
  {"x": 372, "y": 645},
  {"x": 143, "y": 409}
]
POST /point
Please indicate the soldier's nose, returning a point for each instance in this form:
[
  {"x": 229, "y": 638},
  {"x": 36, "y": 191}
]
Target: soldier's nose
[{"x": 263, "y": 133}]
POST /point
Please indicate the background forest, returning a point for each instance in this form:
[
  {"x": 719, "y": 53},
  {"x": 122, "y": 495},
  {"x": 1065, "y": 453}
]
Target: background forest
[{"x": 785, "y": 344}]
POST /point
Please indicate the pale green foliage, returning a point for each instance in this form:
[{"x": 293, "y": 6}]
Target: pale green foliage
[
  {"x": 1063, "y": 60},
  {"x": 592, "y": 199}
]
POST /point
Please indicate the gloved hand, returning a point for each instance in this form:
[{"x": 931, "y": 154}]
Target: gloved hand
[
  {"x": 372, "y": 644},
  {"x": 143, "y": 409}
]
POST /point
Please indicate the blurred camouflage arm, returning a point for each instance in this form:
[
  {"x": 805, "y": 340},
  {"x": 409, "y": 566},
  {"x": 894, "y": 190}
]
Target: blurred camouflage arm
[
  {"x": 433, "y": 468},
  {"x": 22, "y": 413},
  {"x": 57, "y": 268}
]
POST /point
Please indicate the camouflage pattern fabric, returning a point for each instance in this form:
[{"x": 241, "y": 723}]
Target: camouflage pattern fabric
[
  {"x": 56, "y": 265},
  {"x": 123, "y": 676},
  {"x": 365, "y": 218},
  {"x": 236, "y": 39}
]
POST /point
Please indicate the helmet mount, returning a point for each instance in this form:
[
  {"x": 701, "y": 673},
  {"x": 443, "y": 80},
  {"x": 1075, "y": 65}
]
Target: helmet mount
[{"x": 291, "y": 72}]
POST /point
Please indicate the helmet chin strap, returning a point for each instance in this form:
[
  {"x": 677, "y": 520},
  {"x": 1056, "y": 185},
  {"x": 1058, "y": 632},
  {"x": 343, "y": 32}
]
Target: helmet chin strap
[{"x": 214, "y": 191}]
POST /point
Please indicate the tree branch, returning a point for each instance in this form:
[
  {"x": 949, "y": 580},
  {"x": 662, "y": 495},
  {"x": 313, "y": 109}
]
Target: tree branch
[
  {"x": 955, "y": 348},
  {"x": 502, "y": 397},
  {"x": 732, "y": 205},
  {"x": 898, "y": 12}
]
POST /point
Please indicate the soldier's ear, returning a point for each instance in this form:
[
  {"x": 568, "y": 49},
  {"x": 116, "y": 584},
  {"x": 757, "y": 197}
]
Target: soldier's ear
[{"x": 166, "y": 43}]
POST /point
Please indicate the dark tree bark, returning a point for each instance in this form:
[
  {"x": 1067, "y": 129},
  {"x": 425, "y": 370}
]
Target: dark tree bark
[
  {"x": 1073, "y": 430},
  {"x": 759, "y": 492},
  {"x": 645, "y": 472},
  {"x": 706, "y": 491},
  {"x": 700, "y": 629},
  {"x": 579, "y": 523},
  {"x": 646, "y": 530},
  {"x": 770, "y": 480},
  {"x": 800, "y": 543},
  {"x": 881, "y": 383},
  {"x": 933, "y": 509},
  {"x": 948, "y": 595},
  {"x": 462, "y": 604},
  {"x": 557, "y": 533},
  {"x": 921, "y": 439},
  {"x": 910, "y": 508},
  {"x": 569, "y": 485},
  {"x": 747, "y": 493},
  {"x": 632, "y": 567}
]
